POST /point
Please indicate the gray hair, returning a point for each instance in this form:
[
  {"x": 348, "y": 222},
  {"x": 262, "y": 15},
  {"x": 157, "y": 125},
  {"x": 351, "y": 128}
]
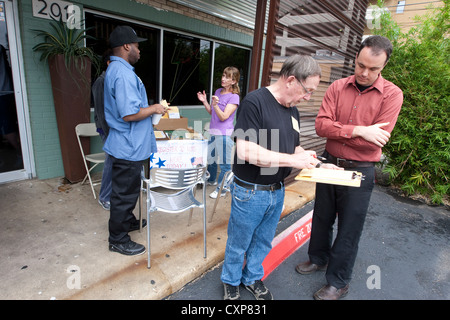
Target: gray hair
[{"x": 301, "y": 67}]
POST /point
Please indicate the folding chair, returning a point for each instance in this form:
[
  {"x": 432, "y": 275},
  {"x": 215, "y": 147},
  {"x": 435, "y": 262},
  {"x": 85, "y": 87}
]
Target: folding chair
[
  {"x": 89, "y": 130},
  {"x": 184, "y": 180}
]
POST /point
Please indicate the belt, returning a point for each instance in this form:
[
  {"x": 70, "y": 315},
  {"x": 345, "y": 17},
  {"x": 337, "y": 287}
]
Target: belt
[
  {"x": 259, "y": 187},
  {"x": 344, "y": 163}
]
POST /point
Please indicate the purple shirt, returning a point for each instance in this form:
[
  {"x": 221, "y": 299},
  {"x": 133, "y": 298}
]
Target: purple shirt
[{"x": 223, "y": 128}]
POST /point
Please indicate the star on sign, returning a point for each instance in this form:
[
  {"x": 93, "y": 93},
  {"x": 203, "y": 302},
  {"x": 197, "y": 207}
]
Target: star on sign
[{"x": 160, "y": 163}]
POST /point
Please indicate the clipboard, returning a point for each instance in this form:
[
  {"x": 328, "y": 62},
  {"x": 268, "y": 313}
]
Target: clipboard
[{"x": 330, "y": 176}]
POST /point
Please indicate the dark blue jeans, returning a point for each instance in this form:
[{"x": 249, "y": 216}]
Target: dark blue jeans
[
  {"x": 349, "y": 205},
  {"x": 106, "y": 187}
]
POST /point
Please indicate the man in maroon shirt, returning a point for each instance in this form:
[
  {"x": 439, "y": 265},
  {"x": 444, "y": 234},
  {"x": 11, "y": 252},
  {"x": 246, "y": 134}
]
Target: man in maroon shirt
[{"x": 357, "y": 116}]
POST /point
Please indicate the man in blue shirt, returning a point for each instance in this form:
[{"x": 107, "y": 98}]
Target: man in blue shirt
[{"x": 131, "y": 139}]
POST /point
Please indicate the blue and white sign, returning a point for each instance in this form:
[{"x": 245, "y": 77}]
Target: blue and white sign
[{"x": 180, "y": 154}]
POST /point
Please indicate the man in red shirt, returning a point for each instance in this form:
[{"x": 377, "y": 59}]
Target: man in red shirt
[{"x": 357, "y": 116}]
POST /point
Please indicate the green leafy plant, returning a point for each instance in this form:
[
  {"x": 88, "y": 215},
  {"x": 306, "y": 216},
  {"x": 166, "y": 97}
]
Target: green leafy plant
[
  {"x": 419, "y": 149},
  {"x": 68, "y": 42}
]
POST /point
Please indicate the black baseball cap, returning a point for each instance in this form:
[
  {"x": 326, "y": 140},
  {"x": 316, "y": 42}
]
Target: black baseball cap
[{"x": 122, "y": 35}]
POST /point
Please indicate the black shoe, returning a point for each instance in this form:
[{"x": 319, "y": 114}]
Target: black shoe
[
  {"x": 129, "y": 248},
  {"x": 231, "y": 292},
  {"x": 135, "y": 226},
  {"x": 259, "y": 290}
]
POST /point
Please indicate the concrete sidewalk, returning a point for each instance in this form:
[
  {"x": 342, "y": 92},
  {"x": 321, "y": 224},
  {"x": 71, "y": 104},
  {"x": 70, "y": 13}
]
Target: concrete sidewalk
[{"x": 54, "y": 244}]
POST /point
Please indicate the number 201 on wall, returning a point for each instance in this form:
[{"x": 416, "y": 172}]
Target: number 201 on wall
[{"x": 55, "y": 10}]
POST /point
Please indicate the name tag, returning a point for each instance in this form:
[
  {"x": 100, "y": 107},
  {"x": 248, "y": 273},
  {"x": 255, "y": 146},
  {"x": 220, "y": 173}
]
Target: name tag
[{"x": 295, "y": 124}]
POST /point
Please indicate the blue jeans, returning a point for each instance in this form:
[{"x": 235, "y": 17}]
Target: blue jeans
[
  {"x": 253, "y": 220},
  {"x": 106, "y": 187},
  {"x": 220, "y": 150}
]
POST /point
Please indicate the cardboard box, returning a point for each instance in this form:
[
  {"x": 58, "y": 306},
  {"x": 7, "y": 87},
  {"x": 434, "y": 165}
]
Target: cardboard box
[{"x": 172, "y": 124}]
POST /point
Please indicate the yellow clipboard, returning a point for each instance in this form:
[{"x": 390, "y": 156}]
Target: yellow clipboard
[{"x": 330, "y": 176}]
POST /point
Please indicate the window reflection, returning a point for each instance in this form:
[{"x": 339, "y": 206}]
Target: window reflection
[
  {"x": 187, "y": 65},
  {"x": 225, "y": 56},
  {"x": 146, "y": 68},
  {"x": 186, "y": 62}
]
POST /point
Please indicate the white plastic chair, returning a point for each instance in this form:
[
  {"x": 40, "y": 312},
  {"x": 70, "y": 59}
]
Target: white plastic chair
[
  {"x": 89, "y": 130},
  {"x": 184, "y": 180}
]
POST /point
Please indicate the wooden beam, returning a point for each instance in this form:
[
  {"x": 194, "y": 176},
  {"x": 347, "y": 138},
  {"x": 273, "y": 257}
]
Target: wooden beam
[
  {"x": 270, "y": 39},
  {"x": 258, "y": 39}
]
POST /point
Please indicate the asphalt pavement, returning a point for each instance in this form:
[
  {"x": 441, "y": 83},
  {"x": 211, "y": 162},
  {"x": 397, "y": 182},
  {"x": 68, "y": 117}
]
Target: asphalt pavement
[{"x": 404, "y": 254}]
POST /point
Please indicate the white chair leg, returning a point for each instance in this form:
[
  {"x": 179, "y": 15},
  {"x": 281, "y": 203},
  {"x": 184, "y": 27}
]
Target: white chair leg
[{"x": 92, "y": 186}]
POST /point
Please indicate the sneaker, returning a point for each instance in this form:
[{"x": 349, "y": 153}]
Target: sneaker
[
  {"x": 231, "y": 292},
  {"x": 215, "y": 193},
  {"x": 211, "y": 183},
  {"x": 105, "y": 204},
  {"x": 259, "y": 290},
  {"x": 129, "y": 248}
]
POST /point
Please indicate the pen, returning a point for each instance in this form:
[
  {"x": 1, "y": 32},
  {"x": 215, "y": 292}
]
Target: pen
[{"x": 320, "y": 158}]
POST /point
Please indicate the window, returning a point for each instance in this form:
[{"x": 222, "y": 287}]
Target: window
[
  {"x": 400, "y": 7},
  {"x": 186, "y": 64},
  {"x": 226, "y": 56},
  {"x": 186, "y": 60},
  {"x": 147, "y": 66}
]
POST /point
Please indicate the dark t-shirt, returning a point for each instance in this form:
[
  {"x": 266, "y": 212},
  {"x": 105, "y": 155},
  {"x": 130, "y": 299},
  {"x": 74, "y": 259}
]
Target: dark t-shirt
[{"x": 261, "y": 119}]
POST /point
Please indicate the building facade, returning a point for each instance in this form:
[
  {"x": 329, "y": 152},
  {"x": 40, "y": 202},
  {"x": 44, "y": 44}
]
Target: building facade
[
  {"x": 189, "y": 44},
  {"x": 192, "y": 44},
  {"x": 402, "y": 12}
]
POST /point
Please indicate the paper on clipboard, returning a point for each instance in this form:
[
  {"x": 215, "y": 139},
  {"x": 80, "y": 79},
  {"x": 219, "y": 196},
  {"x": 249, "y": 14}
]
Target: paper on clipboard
[{"x": 330, "y": 176}]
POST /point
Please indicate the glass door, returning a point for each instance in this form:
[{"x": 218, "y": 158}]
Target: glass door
[{"x": 14, "y": 158}]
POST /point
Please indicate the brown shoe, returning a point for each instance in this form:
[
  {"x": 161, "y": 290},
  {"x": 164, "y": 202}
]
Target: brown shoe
[
  {"x": 330, "y": 293},
  {"x": 308, "y": 267}
]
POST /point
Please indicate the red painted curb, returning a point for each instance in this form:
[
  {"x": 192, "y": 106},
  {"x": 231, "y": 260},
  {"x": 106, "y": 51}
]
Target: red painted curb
[{"x": 287, "y": 242}]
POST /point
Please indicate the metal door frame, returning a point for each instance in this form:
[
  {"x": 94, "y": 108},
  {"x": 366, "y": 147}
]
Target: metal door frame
[{"x": 15, "y": 47}]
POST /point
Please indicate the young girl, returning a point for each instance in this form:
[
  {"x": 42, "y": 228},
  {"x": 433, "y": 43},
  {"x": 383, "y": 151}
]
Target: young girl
[{"x": 222, "y": 109}]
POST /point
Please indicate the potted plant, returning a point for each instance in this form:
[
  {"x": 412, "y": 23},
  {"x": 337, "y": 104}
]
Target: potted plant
[{"x": 70, "y": 72}]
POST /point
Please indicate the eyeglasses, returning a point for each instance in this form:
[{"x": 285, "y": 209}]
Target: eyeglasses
[{"x": 310, "y": 93}]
